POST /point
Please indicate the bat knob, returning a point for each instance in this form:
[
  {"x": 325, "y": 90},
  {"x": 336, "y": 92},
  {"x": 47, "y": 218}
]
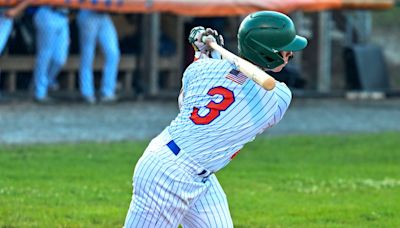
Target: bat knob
[
  {"x": 208, "y": 39},
  {"x": 269, "y": 84}
]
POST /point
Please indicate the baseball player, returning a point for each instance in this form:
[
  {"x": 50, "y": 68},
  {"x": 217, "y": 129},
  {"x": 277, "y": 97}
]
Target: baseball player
[
  {"x": 6, "y": 22},
  {"x": 52, "y": 42},
  {"x": 7, "y": 14},
  {"x": 98, "y": 27},
  {"x": 174, "y": 181}
]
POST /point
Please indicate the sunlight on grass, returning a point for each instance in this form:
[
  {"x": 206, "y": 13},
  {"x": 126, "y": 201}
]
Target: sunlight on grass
[{"x": 289, "y": 181}]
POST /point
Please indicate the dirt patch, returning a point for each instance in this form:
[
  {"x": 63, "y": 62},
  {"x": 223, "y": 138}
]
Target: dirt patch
[{"x": 26, "y": 122}]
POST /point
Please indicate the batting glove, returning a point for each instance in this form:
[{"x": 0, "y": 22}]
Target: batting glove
[{"x": 197, "y": 38}]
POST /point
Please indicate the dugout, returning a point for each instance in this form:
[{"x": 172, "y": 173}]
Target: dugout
[
  {"x": 157, "y": 74},
  {"x": 366, "y": 68}
]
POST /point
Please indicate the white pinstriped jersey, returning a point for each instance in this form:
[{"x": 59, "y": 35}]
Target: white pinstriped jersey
[{"x": 218, "y": 115}]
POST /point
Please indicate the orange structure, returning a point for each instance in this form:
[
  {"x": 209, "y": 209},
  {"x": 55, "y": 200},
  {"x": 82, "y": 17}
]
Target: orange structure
[{"x": 213, "y": 7}]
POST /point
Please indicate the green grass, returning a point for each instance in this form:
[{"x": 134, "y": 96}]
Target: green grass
[{"x": 291, "y": 181}]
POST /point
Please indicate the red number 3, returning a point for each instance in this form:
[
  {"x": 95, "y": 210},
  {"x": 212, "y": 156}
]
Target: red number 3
[{"x": 215, "y": 108}]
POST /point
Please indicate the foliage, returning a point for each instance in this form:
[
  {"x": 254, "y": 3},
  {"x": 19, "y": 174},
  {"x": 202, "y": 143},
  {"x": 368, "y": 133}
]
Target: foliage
[{"x": 386, "y": 18}]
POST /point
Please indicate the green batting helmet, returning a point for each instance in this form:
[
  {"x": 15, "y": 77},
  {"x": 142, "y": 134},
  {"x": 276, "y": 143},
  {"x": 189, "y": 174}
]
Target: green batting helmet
[{"x": 262, "y": 35}]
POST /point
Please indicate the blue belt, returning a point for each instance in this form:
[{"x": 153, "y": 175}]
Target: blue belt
[{"x": 175, "y": 149}]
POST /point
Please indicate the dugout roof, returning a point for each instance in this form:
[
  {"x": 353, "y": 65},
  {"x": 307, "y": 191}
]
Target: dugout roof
[{"x": 213, "y": 7}]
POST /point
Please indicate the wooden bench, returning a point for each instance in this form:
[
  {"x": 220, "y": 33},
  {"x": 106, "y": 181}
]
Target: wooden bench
[{"x": 13, "y": 64}]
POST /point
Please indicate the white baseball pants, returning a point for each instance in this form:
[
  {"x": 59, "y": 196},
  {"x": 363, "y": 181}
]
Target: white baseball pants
[{"x": 168, "y": 191}]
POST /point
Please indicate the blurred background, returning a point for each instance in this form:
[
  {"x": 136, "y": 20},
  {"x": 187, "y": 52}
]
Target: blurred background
[
  {"x": 352, "y": 44},
  {"x": 113, "y": 51}
]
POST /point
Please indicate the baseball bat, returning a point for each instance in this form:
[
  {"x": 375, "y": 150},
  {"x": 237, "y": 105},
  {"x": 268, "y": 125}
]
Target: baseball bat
[{"x": 248, "y": 69}]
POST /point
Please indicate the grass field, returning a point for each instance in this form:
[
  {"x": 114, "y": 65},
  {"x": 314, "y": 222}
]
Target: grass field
[{"x": 291, "y": 181}]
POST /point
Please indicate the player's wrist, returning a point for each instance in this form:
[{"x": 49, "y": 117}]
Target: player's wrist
[{"x": 199, "y": 55}]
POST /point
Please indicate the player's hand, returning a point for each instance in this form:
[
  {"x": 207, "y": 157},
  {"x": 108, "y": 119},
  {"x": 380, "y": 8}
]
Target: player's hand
[
  {"x": 213, "y": 35},
  {"x": 198, "y": 36},
  {"x": 195, "y": 38},
  {"x": 11, "y": 13}
]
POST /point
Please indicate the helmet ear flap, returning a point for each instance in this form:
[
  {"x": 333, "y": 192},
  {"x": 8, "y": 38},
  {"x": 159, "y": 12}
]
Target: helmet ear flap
[
  {"x": 263, "y": 55},
  {"x": 272, "y": 59}
]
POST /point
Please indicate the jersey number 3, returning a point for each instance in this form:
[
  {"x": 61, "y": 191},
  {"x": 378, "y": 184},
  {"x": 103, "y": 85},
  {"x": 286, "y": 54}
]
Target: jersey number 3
[{"x": 215, "y": 108}]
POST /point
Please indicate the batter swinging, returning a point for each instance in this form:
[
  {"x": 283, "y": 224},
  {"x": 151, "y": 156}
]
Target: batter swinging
[{"x": 221, "y": 110}]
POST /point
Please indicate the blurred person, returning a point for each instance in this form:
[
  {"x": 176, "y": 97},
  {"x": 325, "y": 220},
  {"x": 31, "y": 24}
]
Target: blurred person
[
  {"x": 52, "y": 42},
  {"x": 98, "y": 27},
  {"x": 7, "y": 15},
  {"x": 221, "y": 110},
  {"x": 6, "y": 24}
]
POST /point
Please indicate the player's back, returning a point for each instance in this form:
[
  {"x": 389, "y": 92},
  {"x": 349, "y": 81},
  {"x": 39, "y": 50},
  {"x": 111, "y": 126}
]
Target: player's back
[{"x": 221, "y": 111}]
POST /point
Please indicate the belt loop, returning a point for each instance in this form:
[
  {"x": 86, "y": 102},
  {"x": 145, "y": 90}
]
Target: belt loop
[
  {"x": 205, "y": 173},
  {"x": 202, "y": 172}
]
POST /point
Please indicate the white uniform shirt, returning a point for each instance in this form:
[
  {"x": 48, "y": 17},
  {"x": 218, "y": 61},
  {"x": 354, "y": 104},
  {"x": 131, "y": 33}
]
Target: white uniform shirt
[{"x": 222, "y": 110}]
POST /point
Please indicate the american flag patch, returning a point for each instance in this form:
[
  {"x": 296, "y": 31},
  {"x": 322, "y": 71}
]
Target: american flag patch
[{"x": 236, "y": 76}]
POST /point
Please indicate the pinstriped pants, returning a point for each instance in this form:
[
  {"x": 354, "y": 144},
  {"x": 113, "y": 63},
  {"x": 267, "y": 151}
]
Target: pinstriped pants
[
  {"x": 52, "y": 41},
  {"x": 167, "y": 191},
  {"x": 98, "y": 27}
]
